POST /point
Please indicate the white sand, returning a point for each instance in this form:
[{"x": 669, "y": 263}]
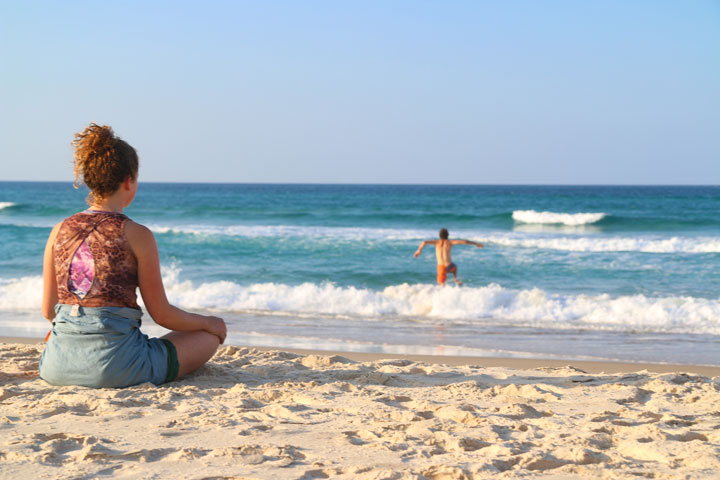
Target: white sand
[{"x": 271, "y": 414}]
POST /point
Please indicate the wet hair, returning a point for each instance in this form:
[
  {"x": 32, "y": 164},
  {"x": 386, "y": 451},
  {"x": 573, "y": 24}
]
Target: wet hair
[
  {"x": 102, "y": 161},
  {"x": 444, "y": 234}
]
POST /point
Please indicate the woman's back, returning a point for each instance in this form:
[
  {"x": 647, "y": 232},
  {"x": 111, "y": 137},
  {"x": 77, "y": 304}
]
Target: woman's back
[{"x": 94, "y": 264}]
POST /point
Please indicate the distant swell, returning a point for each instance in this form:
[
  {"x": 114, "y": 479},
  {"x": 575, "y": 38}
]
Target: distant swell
[
  {"x": 531, "y": 216},
  {"x": 571, "y": 243},
  {"x": 284, "y": 231},
  {"x": 490, "y": 304}
]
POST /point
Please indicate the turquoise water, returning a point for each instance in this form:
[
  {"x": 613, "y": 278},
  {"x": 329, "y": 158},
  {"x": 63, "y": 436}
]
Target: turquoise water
[{"x": 624, "y": 273}]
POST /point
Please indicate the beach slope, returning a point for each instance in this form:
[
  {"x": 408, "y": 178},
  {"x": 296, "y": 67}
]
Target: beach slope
[{"x": 259, "y": 414}]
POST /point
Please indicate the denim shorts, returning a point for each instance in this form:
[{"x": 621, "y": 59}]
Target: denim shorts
[{"x": 104, "y": 347}]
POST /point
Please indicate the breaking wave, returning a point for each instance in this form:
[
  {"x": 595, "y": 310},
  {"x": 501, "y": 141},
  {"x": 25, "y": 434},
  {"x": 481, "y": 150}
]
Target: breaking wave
[
  {"x": 571, "y": 219},
  {"x": 490, "y": 304}
]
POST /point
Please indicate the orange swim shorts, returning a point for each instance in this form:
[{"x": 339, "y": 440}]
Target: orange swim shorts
[{"x": 442, "y": 271}]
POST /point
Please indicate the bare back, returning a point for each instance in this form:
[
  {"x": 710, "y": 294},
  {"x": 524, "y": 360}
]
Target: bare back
[{"x": 443, "y": 252}]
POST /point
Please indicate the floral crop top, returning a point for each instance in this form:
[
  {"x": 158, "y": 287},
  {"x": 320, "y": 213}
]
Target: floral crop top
[{"x": 94, "y": 264}]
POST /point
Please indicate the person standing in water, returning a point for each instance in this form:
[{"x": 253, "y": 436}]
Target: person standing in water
[
  {"x": 94, "y": 262},
  {"x": 443, "y": 252}
]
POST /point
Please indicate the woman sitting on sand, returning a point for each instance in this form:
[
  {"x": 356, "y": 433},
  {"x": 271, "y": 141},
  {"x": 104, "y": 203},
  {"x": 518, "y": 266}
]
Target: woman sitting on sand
[{"x": 94, "y": 261}]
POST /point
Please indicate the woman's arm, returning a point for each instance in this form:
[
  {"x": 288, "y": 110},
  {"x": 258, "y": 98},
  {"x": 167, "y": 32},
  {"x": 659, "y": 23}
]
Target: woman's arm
[
  {"x": 50, "y": 296},
  {"x": 143, "y": 245}
]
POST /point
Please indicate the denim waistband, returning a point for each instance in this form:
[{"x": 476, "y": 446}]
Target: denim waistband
[{"x": 125, "y": 312}]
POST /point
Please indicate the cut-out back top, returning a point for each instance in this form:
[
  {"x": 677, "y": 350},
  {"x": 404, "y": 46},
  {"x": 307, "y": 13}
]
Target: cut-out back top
[{"x": 94, "y": 264}]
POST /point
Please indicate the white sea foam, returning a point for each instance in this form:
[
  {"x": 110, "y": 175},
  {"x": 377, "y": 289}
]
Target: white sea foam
[
  {"x": 571, "y": 243},
  {"x": 297, "y": 231},
  {"x": 4, "y": 205},
  {"x": 490, "y": 304},
  {"x": 531, "y": 216},
  {"x": 485, "y": 304},
  {"x": 23, "y": 293},
  {"x": 610, "y": 244}
]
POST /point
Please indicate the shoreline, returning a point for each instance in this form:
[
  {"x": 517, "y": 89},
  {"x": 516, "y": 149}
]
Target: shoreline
[{"x": 588, "y": 366}]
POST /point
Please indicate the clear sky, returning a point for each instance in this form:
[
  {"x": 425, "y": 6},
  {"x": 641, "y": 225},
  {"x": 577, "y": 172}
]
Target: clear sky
[{"x": 562, "y": 92}]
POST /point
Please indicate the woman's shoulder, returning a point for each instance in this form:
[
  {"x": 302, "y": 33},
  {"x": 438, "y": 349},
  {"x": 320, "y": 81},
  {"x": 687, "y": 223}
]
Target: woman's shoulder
[
  {"x": 137, "y": 233},
  {"x": 54, "y": 231},
  {"x": 136, "y": 229},
  {"x": 140, "y": 238}
]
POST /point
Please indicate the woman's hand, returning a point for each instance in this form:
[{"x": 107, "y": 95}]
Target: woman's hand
[{"x": 217, "y": 327}]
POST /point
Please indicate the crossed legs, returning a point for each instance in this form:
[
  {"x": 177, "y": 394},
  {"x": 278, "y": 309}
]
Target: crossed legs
[{"x": 194, "y": 349}]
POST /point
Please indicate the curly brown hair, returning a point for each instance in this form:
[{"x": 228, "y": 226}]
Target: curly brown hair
[{"x": 102, "y": 161}]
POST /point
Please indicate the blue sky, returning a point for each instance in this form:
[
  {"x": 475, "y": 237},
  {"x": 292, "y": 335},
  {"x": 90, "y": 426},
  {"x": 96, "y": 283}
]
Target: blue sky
[{"x": 562, "y": 92}]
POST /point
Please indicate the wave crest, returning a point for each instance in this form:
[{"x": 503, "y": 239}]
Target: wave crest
[
  {"x": 4, "y": 205},
  {"x": 571, "y": 219}
]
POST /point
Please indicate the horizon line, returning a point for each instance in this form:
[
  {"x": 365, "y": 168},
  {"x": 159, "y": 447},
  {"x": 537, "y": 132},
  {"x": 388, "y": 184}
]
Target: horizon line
[{"x": 400, "y": 184}]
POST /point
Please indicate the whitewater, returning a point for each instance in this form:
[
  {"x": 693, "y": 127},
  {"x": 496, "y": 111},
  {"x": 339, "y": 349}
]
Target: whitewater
[{"x": 491, "y": 304}]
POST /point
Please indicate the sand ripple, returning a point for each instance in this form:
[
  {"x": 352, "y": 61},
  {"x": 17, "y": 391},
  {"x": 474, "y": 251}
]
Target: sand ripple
[{"x": 252, "y": 414}]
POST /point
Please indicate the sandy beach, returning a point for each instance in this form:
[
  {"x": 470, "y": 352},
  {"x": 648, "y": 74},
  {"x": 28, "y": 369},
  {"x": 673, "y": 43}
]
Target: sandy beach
[
  {"x": 266, "y": 414},
  {"x": 433, "y": 240}
]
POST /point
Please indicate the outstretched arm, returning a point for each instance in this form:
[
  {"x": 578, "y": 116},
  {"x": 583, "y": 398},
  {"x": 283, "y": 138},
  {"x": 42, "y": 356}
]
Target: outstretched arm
[
  {"x": 152, "y": 290},
  {"x": 467, "y": 242},
  {"x": 422, "y": 245}
]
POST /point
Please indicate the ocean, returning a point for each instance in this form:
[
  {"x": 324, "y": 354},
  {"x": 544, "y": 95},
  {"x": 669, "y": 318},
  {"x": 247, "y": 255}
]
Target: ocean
[{"x": 570, "y": 272}]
